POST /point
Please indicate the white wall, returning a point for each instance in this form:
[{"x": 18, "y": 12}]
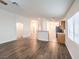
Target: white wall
[
  {"x": 8, "y": 22},
  {"x": 72, "y": 46},
  {"x": 7, "y": 26},
  {"x": 26, "y": 23},
  {"x": 74, "y": 9}
]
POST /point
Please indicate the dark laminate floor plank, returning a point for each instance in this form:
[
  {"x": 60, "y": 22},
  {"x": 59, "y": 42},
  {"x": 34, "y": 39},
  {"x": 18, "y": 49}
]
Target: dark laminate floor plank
[{"x": 22, "y": 49}]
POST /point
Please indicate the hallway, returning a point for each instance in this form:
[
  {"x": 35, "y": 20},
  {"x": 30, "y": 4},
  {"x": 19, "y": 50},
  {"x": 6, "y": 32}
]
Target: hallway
[{"x": 24, "y": 49}]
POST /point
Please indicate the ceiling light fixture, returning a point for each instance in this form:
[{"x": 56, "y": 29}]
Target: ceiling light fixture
[{"x": 14, "y": 2}]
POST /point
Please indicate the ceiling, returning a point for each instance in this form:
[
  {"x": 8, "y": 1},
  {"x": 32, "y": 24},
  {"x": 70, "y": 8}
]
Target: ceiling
[{"x": 39, "y": 8}]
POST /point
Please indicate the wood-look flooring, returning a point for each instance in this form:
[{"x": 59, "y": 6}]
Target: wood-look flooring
[{"x": 24, "y": 49}]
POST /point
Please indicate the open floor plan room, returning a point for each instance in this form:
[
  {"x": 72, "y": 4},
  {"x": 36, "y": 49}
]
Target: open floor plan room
[{"x": 39, "y": 29}]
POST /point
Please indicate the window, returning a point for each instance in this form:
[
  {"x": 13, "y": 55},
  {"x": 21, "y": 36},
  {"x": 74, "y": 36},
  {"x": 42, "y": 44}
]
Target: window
[
  {"x": 73, "y": 28},
  {"x": 70, "y": 28},
  {"x": 76, "y": 28}
]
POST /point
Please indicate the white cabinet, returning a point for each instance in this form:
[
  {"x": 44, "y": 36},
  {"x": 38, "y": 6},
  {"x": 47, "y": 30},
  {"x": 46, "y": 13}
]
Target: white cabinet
[{"x": 42, "y": 35}]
